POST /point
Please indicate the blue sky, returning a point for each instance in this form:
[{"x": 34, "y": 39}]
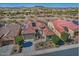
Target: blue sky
[{"x": 58, "y": 5}]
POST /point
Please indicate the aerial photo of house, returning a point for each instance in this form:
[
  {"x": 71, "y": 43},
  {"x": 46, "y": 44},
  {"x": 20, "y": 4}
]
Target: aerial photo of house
[{"x": 38, "y": 29}]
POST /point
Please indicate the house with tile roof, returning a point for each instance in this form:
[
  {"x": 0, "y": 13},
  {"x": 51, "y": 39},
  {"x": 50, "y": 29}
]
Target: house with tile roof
[
  {"x": 8, "y": 34},
  {"x": 45, "y": 29},
  {"x": 50, "y": 35},
  {"x": 28, "y": 30},
  {"x": 58, "y": 26}
]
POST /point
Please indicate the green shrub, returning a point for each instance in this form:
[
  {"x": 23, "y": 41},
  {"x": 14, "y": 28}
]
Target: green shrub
[
  {"x": 54, "y": 38},
  {"x": 64, "y": 36},
  {"x": 19, "y": 40}
]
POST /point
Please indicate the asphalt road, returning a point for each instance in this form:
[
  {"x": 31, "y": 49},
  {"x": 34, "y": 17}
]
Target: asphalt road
[{"x": 69, "y": 52}]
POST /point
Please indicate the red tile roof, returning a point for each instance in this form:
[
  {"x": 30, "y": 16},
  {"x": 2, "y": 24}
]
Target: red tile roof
[
  {"x": 60, "y": 23},
  {"x": 40, "y": 23},
  {"x": 46, "y": 30},
  {"x": 30, "y": 29}
]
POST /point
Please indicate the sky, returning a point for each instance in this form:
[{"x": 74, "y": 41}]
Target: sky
[{"x": 55, "y": 5}]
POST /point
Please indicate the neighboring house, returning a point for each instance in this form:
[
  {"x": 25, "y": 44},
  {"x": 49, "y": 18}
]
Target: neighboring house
[
  {"x": 9, "y": 32},
  {"x": 28, "y": 31},
  {"x": 49, "y": 34},
  {"x": 59, "y": 24}
]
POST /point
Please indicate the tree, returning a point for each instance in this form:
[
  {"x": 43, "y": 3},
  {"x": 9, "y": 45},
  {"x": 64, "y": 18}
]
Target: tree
[{"x": 19, "y": 40}]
